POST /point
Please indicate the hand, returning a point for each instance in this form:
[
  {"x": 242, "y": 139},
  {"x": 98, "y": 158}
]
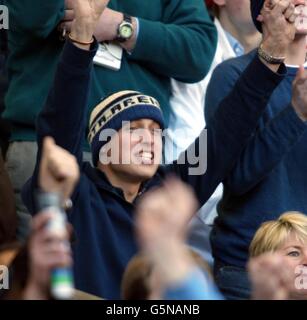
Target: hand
[
  {"x": 299, "y": 95},
  {"x": 106, "y": 28},
  {"x": 164, "y": 213},
  {"x": 59, "y": 170},
  {"x": 271, "y": 276},
  {"x": 46, "y": 252},
  {"x": 162, "y": 222},
  {"x": 86, "y": 14},
  {"x": 278, "y": 17}
]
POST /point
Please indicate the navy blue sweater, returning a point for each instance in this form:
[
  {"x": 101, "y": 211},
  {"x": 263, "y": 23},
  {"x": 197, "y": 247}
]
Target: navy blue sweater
[
  {"x": 270, "y": 176},
  {"x": 101, "y": 217}
]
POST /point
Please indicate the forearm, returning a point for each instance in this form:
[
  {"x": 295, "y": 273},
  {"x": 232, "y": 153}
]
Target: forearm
[
  {"x": 231, "y": 127},
  {"x": 64, "y": 115},
  {"x": 107, "y": 28}
]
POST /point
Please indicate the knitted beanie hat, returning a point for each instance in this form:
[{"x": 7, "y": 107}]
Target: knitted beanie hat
[{"x": 119, "y": 107}]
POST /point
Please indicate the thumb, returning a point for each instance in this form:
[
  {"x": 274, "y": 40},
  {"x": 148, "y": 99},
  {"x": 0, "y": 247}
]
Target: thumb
[
  {"x": 48, "y": 144},
  {"x": 300, "y": 75}
]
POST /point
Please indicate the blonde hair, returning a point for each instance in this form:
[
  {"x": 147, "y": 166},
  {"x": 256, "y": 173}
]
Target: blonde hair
[{"x": 273, "y": 234}]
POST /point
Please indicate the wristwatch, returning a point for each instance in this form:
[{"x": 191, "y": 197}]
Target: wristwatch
[
  {"x": 125, "y": 30},
  {"x": 269, "y": 58}
]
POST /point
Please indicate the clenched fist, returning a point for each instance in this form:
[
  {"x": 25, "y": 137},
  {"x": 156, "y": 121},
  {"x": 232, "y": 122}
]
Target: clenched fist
[
  {"x": 278, "y": 25},
  {"x": 86, "y": 16},
  {"x": 164, "y": 213},
  {"x": 59, "y": 170},
  {"x": 163, "y": 216}
]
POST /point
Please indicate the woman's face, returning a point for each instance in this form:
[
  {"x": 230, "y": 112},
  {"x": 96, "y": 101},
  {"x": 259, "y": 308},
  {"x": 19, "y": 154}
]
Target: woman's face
[{"x": 295, "y": 252}]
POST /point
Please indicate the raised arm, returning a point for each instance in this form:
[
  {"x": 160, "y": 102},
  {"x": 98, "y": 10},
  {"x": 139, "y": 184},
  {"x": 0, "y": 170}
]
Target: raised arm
[
  {"x": 221, "y": 143},
  {"x": 236, "y": 119},
  {"x": 64, "y": 116}
]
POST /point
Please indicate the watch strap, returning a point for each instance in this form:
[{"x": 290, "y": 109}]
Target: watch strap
[{"x": 126, "y": 19}]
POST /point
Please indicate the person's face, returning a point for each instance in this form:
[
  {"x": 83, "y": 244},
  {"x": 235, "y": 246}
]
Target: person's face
[
  {"x": 136, "y": 150},
  {"x": 295, "y": 252}
]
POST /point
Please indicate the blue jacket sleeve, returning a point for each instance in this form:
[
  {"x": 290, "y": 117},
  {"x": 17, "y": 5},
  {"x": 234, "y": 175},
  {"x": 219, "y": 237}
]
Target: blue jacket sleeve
[
  {"x": 64, "y": 114},
  {"x": 228, "y": 132},
  {"x": 265, "y": 151}
]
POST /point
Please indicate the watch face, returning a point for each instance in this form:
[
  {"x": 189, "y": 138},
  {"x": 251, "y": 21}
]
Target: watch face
[{"x": 126, "y": 31}]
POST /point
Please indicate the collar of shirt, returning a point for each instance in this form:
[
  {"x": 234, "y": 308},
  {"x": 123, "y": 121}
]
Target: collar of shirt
[{"x": 235, "y": 44}]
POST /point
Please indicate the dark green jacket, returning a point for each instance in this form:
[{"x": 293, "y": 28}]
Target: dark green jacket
[{"x": 176, "y": 40}]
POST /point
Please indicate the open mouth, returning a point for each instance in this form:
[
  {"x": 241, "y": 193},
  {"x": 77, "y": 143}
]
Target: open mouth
[{"x": 146, "y": 157}]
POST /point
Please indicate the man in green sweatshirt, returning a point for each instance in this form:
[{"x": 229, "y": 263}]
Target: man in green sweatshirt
[{"x": 160, "y": 40}]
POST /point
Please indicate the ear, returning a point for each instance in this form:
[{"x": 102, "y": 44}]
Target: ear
[{"x": 220, "y": 3}]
